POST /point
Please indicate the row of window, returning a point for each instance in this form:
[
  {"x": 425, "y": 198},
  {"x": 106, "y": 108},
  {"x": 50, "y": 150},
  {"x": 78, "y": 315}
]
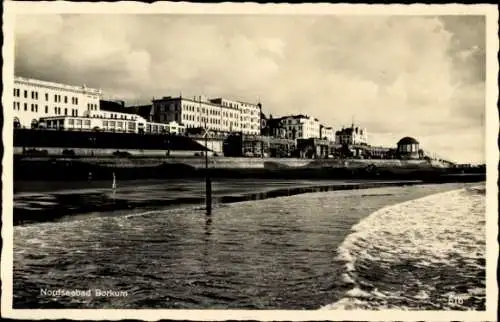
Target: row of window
[
  {"x": 409, "y": 148},
  {"x": 114, "y": 123},
  {"x": 58, "y": 111},
  {"x": 92, "y": 106},
  {"x": 249, "y": 126},
  {"x": 79, "y": 122},
  {"x": 250, "y": 111},
  {"x": 191, "y": 108},
  {"x": 190, "y": 117},
  {"x": 34, "y": 95},
  {"x": 228, "y": 104},
  {"x": 209, "y": 121},
  {"x": 119, "y": 116},
  {"x": 118, "y": 125},
  {"x": 214, "y": 121},
  {"x": 245, "y": 110},
  {"x": 33, "y": 107}
]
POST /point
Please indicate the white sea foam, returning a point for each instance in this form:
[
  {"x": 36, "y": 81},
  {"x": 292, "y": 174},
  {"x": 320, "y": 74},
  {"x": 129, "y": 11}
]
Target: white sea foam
[{"x": 412, "y": 243}]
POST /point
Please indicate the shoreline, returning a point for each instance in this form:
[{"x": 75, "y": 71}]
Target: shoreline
[
  {"x": 67, "y": 205},
  {"x": 78, "y": 170}
]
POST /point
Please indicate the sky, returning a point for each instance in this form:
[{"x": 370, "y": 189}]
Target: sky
[{"x": 396, "y": 76}]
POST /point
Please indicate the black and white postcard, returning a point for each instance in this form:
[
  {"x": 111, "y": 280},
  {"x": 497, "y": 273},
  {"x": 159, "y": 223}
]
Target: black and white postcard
[{"x": 250, "y": 161}]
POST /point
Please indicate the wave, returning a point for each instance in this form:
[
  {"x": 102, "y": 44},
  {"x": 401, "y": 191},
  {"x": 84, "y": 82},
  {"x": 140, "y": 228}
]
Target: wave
[{"x": 427, "y": 253}]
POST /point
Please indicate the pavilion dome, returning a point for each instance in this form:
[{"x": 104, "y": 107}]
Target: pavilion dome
[{"x": 407, "y": 140}]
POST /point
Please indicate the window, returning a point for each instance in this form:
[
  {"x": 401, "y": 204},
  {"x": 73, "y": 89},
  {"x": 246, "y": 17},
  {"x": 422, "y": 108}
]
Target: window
[
  {"x": 71, "y": 121},
  {"x": 46, "y": 96},
  {"x": 65, "y": 111},
  {"x": 46, "y": 109},
  {"x": 55, "y": 110},
  {"x": 25, "y": 106},
  {"x": 65, "y": 99}
]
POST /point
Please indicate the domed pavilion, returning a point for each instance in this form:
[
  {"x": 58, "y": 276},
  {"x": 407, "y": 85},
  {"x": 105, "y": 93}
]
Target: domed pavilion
[{"x": 408, "y": 148}]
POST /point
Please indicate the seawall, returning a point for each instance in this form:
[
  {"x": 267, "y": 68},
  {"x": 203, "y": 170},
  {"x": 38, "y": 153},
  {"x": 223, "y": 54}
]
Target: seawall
[
  {"x": 158, "y": 168},
  {"x": 197, "y": 162}
]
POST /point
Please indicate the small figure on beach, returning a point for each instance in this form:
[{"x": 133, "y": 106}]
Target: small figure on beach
[{"x": 114, "y": 182}]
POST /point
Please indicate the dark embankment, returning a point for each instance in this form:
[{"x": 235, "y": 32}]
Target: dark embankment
[
  {"x": 70, "y": 170},
  {"x": 69, "y": 204}
]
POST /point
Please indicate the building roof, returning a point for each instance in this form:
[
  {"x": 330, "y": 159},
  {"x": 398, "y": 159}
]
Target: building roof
[
  {"x": 407, "y": 140},
  {"x": 350, "y": 130},
  {"x": 142, "y": 110},
  {"x": 74, "y": 88},
  {"x": 297, "y": 117},
  {"x": 113, "y": 106},
  {"x": 212, "y": 102},
  {"x": 347, "y": 130}
]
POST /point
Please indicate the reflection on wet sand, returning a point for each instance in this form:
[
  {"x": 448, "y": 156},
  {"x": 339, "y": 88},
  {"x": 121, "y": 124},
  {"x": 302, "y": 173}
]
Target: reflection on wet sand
[{"x": 53, "y": 205}]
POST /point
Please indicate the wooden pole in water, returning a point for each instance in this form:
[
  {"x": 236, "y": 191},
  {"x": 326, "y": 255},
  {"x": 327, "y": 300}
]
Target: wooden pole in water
[{"x": 208, "y": 181}]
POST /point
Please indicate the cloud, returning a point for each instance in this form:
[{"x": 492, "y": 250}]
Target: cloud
[{"x": 398, "y": 76}]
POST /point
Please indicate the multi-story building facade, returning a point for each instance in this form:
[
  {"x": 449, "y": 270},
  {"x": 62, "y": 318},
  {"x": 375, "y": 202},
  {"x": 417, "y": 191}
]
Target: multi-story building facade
[
  {"x": 218, "y": 114},
  {"x": 33, "y": 99},
  {"x": 301, "y": 127},
  {"x": 352, "y": 135},
  {"x": 327, "y": 133}
]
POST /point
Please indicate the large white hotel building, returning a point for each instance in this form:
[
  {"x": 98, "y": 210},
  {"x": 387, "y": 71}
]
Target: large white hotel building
[
  {"x": 217, "y": 114},
  {"x": 301, "y": 127},
  {"x": 34, "y": 99}
]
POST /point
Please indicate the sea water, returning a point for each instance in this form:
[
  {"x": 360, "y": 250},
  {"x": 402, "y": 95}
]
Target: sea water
[
  {"x": 427, "y": 253},
  {"x": 295, "y": 252}
]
